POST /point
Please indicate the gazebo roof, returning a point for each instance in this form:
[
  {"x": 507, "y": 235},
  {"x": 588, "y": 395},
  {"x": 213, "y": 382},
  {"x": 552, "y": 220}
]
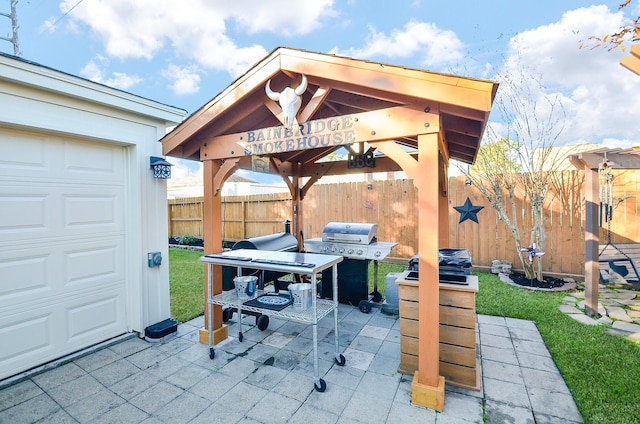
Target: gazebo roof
[
  {"x": 337, "y": 86},
  {"x": 616, "y": 158}
]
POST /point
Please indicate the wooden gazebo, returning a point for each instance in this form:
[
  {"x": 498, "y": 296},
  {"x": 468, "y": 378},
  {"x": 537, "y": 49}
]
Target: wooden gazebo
[
  {"x": 408, "y": 119},
  {"x": 590, "y": 163}
]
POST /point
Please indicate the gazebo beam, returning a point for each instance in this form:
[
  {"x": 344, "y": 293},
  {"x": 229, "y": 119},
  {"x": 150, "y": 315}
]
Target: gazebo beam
[{"x": 384, "y": 124}]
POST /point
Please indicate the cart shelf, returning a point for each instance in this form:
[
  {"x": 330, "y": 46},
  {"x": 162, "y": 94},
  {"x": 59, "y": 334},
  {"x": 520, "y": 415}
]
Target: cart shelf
[{"x": 309, "y": 264}]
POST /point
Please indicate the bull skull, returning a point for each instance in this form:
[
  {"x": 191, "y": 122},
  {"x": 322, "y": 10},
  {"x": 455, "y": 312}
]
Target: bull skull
[{"x": 290, "y": 100}]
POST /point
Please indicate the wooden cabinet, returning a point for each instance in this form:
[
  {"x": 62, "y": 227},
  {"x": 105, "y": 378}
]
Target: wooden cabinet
[{"x": 458, "y": 355}]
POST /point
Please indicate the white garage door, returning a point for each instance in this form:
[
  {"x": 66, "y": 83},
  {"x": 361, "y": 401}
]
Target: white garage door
[{"x": 62, "y": 247}]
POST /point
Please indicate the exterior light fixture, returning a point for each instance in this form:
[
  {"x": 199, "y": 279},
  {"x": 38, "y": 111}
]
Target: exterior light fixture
[{"x": 161, "y": 168}]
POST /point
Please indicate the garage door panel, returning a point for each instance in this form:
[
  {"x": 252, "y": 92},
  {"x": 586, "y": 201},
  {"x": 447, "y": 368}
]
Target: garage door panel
[
  {"x": 59, "y": 328},
  {"x": 30, "y": 159},
  {"x": 91, "y": 161},
  {"x": 28, "y": 339},
  {"x": 87, "y": 319},
  {"x": 56, "y": 159},
  {"x": 23, "y": 213},
  {"x": 58, "y": 211},
  {"x": 23, "y": 274},
  {"x": 91, "y": 210},
  {"x": 94, "y": 264},
  {"x": 55, "y": 270}
]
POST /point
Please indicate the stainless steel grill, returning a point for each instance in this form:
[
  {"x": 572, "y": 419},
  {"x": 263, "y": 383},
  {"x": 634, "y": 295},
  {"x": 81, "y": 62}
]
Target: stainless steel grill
[
  {"x": 358, "y": 244},
  {"x": 350, "y": 240}
]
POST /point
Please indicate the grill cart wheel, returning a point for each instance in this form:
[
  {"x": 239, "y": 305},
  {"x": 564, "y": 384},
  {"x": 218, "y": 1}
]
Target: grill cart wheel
[
  {"x": 341, "y": 361},
  {"x": 364, "y": 306},
  {"x": 323, "y": 386},
  {"x": 212, "y": 353},
  {"x": 262, "y": 321}
]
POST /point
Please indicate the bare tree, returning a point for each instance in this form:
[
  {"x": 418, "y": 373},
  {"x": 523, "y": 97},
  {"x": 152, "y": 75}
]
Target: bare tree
[
  {"x": 517, "y": 161},
  {"x": 630, "y": 31}
]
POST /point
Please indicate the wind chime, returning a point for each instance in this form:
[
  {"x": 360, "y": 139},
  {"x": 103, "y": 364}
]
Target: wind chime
[
  {"x": 606, "y": 196},
  {"x": 607, "y": 207}
]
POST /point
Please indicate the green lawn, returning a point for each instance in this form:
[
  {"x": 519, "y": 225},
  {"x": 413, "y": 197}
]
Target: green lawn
[
  {"x": 186, "y": 276},
  {"x": 602, "y": 371}
]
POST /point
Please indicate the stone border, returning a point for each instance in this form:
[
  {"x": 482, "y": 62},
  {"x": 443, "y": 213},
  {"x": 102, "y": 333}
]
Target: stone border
[
  {"x": 569, "y": 284},
  {"x": 186, "y": 247}
]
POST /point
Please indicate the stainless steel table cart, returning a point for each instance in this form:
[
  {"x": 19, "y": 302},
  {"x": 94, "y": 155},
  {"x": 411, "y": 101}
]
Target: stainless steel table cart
[{"x": 288, "y": 262}]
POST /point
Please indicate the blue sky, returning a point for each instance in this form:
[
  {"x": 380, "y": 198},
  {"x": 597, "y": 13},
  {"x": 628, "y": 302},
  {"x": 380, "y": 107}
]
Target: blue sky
[{"x": 183, "y": 53}]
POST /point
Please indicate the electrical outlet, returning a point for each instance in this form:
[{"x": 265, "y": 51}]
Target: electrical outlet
[{"x": 154, "y": 258}]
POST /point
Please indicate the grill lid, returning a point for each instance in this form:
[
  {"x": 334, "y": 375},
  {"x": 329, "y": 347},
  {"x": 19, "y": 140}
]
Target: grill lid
[{"x": 349, "y": 232}]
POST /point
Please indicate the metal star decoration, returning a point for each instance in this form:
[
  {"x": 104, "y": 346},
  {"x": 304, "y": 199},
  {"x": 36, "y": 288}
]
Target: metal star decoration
[{"x": 468, "y": 211}]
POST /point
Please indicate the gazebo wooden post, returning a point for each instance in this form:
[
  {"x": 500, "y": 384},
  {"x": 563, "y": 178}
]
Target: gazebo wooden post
[
  {"x": 592, "y": 240},
  {"x": 427, "y": 388},
  {"x": 443, "y": 204},
  {"x": 212, "y": 219},
  {"x": 296, "y": 205}
]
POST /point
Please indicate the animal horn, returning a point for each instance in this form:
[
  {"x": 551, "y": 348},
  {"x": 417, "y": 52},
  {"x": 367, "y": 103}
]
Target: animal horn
[
  {"x": 302, "y": 87},
  {"x": 270, "y": 93}
]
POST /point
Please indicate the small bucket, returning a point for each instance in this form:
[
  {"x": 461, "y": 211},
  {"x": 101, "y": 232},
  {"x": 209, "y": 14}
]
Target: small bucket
[
  {"x": 300, "y": 294},
  {"x": 245, "y": 287}
]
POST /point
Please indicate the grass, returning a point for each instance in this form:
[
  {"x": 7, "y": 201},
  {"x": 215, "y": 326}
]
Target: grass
[
  {"x": 186, "y": 277},
  {"x": 601, "y": 370}
]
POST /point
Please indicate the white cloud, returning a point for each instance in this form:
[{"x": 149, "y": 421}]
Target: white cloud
[
  {"x": 283, "y": 17},
  {"x": 122, "y": 81},
  {"x": 432, "y": 45},
  {"x": 183, "y": 80},
  {"x": 48, "y": 25},
  {"x": 599, "y": 96},
  {"x": 197, "y": 30}
]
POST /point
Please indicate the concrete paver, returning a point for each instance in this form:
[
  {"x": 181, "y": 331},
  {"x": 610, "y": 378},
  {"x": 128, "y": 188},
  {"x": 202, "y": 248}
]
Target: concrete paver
[{"x": 268, "y": 378}]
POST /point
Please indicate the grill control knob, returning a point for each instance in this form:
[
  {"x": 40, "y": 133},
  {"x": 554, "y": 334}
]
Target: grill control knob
[
  {"x": 377, "y": 254},
  {"x": 333, "y": 249},
  {"x": 359, "y": 252},
  {"x": 341, "y": 250},
  {"x": 351, "y": 251}
]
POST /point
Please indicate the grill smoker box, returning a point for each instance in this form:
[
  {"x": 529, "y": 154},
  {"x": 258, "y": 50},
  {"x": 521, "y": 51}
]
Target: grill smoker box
[{"x": 280, "y": 242}]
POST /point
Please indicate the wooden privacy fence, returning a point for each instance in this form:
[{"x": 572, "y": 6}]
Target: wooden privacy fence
[{"x": 392, "y": 204}]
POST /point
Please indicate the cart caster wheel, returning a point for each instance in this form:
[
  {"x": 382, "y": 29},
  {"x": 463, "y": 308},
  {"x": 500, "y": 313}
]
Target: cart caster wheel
[
  {"x": 364, "y": 307},
  {"x": 227, "y": 314},
  {"x": 376, "y": 297},
  {"x": 262, "y": 321},
  {"x": 240, "y": 336},
  {"x": 323, "y": 386},
  {"x": 340, "y": 362},
  {"x": 212, "y": 353}
]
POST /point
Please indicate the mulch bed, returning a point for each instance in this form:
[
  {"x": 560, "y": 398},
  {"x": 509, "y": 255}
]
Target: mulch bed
[{"x": 548, "y": 283}]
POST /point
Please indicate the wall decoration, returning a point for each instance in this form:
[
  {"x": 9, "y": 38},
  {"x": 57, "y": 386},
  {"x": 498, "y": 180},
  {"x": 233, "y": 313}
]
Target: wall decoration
[{"x": 468, "y": 211}]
